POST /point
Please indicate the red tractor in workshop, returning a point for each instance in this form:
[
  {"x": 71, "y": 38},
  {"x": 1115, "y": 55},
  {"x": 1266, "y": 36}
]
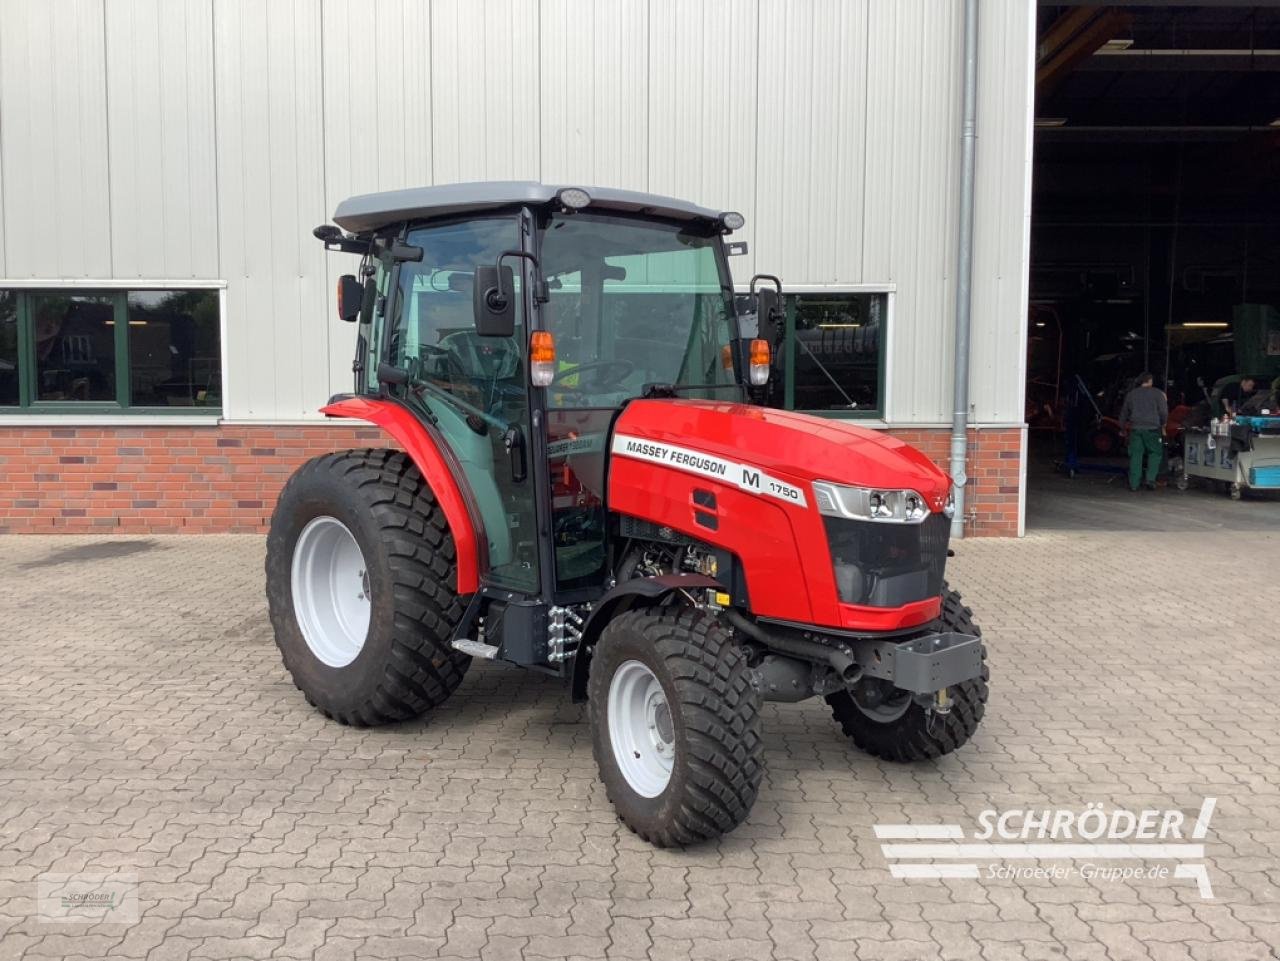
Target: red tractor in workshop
[{"x": 588, "y": 482}]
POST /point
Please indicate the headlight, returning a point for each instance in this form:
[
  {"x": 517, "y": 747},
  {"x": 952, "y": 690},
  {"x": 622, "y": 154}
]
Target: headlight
[
  {"x": 870, "y": 504},
  {"x": 949, "y": 508}
]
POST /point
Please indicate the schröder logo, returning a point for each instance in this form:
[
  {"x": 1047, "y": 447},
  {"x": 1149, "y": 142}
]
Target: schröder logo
[
  {"x": 1131, "y": 845},
  {"x": 87, "y": 898}
]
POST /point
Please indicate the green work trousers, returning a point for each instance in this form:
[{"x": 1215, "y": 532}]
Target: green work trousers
[{"x": 1144, "y": 442}]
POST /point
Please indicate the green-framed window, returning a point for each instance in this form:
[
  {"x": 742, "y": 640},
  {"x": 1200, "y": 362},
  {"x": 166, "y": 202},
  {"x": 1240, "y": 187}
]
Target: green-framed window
[
  {"x": 834, "y": 352},
  {"x": 92, "y": 350}
]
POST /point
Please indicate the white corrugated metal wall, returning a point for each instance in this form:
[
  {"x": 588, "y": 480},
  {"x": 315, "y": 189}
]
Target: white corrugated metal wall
[{"x": 172, "y": 139}]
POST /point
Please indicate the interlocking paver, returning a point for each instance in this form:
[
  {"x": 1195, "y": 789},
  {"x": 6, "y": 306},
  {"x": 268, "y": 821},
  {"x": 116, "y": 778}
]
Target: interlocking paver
[{"x": 148, "y": 726}]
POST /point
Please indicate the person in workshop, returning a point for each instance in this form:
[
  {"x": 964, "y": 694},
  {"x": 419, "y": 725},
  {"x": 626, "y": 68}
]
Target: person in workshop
[
  {"x": 1143, "y": 418},
  {"x": 1235, "y": 396},
  {"x": 1264, "y": 400}
]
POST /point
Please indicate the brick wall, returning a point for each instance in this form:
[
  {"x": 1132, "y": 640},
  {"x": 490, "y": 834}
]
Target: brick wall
[
  {"x": 225, "y": 479},
  {"x": 155, "y": 479},
  {"x": 991, "y": 497}
]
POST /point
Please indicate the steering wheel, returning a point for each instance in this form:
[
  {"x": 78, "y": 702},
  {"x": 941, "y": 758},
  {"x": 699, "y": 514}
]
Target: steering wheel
[{"x": 622, "y": 368}]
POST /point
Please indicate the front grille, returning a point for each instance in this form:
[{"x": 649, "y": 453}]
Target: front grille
[{"x": 888, "y": 565}]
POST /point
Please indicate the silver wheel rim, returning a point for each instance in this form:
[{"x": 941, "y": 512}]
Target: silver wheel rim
[
  {"x": 641, "y": 729},
  {"x": 330, "y": 586}
]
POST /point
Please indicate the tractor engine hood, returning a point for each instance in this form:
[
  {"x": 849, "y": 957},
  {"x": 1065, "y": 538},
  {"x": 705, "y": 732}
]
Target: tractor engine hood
[
  {"x": 740, "y": 478},
  {"x": 790, "y": 447}
]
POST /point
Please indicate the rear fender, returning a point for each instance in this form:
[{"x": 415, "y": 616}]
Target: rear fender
[
  {"x": 639, "y": 592},
  {"x": 429, "y": 452}
]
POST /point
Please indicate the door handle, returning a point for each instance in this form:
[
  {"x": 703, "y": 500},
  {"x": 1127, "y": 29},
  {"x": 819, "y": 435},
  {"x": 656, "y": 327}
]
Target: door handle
[{"x": 513, "y": 441}]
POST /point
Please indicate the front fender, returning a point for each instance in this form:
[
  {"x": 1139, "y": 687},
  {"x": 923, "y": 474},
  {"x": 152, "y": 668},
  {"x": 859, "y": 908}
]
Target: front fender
[
  {"x": 623, "y": 597},
  {"x": 430, "y": 456}
]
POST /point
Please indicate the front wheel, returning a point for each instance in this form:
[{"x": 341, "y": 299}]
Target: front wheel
[
  {"x": 675, "y": 725},
  {"x": 890, "y": 724}
]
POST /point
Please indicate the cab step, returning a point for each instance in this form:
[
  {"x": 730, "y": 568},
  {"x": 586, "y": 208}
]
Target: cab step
[{"x": 475, "y": 648}]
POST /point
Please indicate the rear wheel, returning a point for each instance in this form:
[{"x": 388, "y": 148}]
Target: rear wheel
[
  {"x": 675, "y": 725},
  {"x": 889, "y": 723},
  {"x": 361, "y": 588}
]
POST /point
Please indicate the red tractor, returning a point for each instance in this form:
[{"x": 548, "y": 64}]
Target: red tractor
[{"x": 587, "y": 482}]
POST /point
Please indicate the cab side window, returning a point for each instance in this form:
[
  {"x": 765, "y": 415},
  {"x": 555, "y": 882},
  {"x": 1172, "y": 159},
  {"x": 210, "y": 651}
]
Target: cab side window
[{"x": 433, "y": 334}]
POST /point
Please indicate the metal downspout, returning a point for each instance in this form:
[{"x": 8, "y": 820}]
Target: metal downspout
[{"x": 964, "y": 266}]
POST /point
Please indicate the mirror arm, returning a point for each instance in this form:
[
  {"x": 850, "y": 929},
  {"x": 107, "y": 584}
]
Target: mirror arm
[
  {"x": 540, "y": 294},
  {"x": 334, "y": 239},
  {"x": 777, "y": 314},
  {"x": 769, "y": 277}
]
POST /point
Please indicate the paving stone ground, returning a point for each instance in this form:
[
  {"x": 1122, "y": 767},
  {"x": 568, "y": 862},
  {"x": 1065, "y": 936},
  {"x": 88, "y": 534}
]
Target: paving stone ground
[{"x": 146, "y": 725}]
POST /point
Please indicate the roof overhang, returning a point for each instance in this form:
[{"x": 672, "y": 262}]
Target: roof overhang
[{"x": 365, "y": 213}]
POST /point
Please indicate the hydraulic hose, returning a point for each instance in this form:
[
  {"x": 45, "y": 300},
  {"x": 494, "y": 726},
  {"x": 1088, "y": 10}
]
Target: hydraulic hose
[{"x": 842, "y": 663}]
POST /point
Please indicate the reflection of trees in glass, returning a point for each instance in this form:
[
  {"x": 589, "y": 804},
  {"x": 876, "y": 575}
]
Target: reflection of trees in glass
[
  {"x": 173, "y": 346},
  {"x": 8, "y": 348},
  {"x": 74, "y": 346},
  {"x": 173, "y": 339}
]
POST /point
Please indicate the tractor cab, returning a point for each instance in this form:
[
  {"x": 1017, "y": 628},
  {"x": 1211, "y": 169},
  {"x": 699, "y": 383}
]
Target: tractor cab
[
  {"x": 588, "y": 481},
  {"x": 519, "y": 327}
]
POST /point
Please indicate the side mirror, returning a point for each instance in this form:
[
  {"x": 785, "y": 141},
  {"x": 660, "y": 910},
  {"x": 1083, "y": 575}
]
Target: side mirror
[
  {"x": 767, "y": 311},
  {"x": 350, "y": 297},
  {"x": 369, "y": 299},
  {"x": 493, "y": 301}
]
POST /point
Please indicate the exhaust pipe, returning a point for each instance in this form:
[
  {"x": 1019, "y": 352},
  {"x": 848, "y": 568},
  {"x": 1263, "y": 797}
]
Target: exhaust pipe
[{"x": 843, "y": 664}]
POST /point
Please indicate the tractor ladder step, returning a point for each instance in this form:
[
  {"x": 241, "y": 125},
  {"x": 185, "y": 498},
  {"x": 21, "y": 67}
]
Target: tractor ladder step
[{"x": 475, "y": 648}]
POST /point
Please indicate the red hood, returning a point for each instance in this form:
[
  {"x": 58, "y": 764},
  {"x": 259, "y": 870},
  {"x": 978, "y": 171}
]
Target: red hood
[{"x": 801, "y": 447}]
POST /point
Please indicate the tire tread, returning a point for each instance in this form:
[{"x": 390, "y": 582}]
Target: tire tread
[
  {"x": 721, "y": 713},
  {"x": 423, "y": 669}
]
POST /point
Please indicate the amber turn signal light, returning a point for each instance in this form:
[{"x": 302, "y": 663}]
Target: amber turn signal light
[
  {"x": 542, "y": 358},
  {"x": 758, "y": 372}
]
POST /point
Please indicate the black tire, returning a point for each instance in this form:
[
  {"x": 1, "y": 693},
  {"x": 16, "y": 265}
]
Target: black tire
[
  {"x": 918, "y": 735},
  {"x": 716, "y": 717},
  {"x": 406, "y": 665}
]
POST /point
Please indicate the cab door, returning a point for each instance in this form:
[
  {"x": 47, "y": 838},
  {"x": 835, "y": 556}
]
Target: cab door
[{"x": 473, "y": 388}]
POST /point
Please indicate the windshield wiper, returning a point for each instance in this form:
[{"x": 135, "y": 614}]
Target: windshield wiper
[{"x": 670, "y": 390}]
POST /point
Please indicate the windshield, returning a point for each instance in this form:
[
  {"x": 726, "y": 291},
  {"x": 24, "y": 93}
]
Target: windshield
[{"x": 634, "y": 302}]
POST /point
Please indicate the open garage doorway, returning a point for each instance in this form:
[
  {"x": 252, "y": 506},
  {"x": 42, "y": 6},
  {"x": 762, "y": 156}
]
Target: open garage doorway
[{"x": 1155, "y": 246}]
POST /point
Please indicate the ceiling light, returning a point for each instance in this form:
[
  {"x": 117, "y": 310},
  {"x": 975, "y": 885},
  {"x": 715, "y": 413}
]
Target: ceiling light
[
  {"x": 1051, "y": 121},
  {"x": 832, "y": 326},
  {"x": 1216, "y": 324},
  {"x": 1118, "y": 43}
]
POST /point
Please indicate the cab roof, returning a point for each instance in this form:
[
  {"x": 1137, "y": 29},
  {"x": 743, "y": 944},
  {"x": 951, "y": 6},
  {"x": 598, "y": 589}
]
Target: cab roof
[{"x": 365, "y": 213}]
